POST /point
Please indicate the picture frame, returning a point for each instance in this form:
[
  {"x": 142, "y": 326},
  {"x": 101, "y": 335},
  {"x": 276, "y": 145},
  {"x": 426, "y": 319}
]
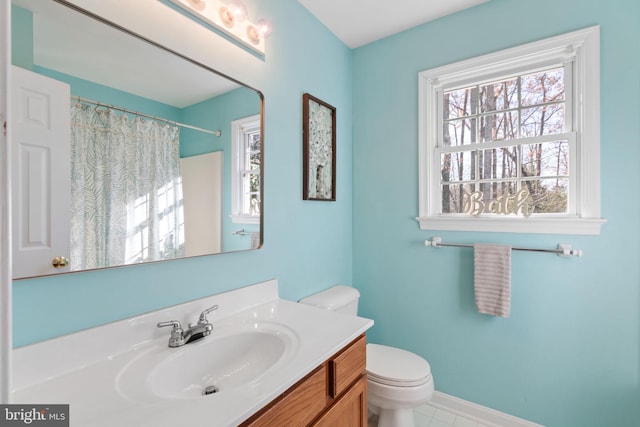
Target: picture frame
[{"x": 319, "y": 149}]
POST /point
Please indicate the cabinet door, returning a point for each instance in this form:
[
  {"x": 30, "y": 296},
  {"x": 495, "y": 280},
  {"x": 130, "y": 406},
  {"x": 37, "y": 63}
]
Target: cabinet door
[
  {"x": 348, "y": 411},
  {"x": 41, "y": 172},
  {"x": 299, "y": 406},
  {"x": 347, "y": 366}
]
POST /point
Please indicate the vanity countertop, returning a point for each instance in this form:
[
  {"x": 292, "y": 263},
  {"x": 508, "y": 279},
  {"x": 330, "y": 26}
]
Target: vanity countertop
[{"x": 87, "y": 369}]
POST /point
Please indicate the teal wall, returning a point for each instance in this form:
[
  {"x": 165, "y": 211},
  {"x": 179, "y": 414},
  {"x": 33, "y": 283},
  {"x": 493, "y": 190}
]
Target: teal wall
[
  {"x": 21, "y": 37},
  {"x": 568, "y": 354}
]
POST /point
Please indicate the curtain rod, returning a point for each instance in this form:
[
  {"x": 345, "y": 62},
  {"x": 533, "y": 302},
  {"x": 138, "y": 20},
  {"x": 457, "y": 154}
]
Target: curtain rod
[
  {"x": 113, "y": 107},
  {"x": 563, "y": 250}
]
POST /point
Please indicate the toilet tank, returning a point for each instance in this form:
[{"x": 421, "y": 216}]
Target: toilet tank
[{"x": 339, "y": 298}]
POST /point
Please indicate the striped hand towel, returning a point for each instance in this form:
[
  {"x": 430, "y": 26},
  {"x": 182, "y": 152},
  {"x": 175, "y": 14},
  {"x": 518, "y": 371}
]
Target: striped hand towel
[
  {"x": 255, "y": 240},
  {"x": 492, "y": 278}
]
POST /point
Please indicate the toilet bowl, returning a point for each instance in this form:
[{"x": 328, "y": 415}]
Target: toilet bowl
[{"x": 397, "y": 380}]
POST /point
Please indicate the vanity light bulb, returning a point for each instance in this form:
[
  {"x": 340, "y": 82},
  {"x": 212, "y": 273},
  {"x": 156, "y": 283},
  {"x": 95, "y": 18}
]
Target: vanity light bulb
[
  {"x": 261, "y": 30},
  {"x": 264, "y": 28},
  {"x": 226, "y": 17},
  {"x": 234, "y": 11},
  {"x": 238, "y": 10}
]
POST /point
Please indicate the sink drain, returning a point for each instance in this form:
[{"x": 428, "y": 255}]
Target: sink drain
[{"x": 210, "y": 390}]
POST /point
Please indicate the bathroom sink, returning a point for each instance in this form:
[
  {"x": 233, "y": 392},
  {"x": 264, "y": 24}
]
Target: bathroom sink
[{"x": 229, "y": 358}]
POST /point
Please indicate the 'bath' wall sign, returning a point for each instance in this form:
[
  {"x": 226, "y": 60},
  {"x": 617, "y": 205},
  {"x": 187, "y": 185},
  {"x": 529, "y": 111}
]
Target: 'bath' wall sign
[{"x": 519, "y": 203}]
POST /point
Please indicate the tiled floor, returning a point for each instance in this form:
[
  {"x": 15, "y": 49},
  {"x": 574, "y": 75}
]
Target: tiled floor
[{"x": 430, "y": 416}]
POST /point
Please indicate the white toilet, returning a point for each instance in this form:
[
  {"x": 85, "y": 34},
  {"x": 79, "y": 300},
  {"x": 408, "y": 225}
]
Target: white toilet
[{"x": 397, "y": 380}]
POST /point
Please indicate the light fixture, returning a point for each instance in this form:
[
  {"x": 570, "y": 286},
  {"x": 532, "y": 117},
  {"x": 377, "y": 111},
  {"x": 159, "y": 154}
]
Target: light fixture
[{"x": 230, "y": 18}]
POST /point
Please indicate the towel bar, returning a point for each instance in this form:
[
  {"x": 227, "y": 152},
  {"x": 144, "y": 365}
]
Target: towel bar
[
  {"x": 241, "y": 232},
  {"x": 563, "y": 250}
]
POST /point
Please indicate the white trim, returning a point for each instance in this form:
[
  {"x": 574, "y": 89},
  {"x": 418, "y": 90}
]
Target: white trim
[
  {"x": 5, "y": 205},
  {"x": 536, "y": 225},
  {"x": 478, "y": 413},
  {"x": 587, "y": 115},
  {"x": 238, "y": 129},
  {"x": 582, "y": 47},
  {"x": 245, "y": 219}
]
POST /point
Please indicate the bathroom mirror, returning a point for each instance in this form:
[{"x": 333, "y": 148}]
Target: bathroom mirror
[{"x": 159, "y": 157}]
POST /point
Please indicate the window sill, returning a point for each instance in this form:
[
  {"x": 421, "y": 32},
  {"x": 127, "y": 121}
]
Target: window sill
[
  {"x": 245, "y": 219},
  {"x": 585, "y": 226}
]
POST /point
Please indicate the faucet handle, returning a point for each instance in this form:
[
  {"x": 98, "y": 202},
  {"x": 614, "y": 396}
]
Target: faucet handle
[
  {"x": 203, "y": 315},
  {"x": 177, "y": 334},
  {"x": 177, "y": 327}
]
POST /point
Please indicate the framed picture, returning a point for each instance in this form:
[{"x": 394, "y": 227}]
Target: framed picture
[{"x": 319, "y": 149}]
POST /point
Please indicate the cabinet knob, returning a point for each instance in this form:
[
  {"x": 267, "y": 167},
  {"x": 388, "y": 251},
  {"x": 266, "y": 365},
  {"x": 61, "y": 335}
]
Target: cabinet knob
[{"x": 60, "y": 262}]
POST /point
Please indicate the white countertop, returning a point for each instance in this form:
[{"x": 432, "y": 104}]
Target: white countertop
[{"x": 83, "y": 369}]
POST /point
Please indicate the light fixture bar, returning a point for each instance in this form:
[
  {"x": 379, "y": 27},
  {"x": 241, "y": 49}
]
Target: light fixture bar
[{"x": 227, "y": 18}]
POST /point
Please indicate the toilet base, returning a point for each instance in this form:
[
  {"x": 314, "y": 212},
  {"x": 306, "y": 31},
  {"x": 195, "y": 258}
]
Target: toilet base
[
  {"x": 398, "y": 417},
  {"x": 394, "y": 405}
]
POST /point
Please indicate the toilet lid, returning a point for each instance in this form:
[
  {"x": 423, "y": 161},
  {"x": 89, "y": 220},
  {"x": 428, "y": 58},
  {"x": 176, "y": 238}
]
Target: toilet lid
[{"x": 393, "y": 366}]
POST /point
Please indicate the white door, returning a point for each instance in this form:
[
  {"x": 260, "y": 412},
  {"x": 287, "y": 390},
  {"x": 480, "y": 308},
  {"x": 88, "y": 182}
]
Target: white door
[
  {"x": 41, "y": 179},
  {"x": 201, "y": 190}
]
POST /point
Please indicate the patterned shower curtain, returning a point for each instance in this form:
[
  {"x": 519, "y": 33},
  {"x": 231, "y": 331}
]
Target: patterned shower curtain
[{"x": 126, "y": 191}]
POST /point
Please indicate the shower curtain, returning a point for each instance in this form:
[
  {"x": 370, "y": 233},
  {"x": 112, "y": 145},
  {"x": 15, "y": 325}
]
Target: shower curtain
[{"x": 126, "y": 192}]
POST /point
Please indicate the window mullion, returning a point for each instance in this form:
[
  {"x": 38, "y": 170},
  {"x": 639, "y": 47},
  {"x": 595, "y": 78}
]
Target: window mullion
[
  {"x": 506, "y": 143},
  {"x": 475, "y": 143},
  {"x": 519, "y": 108}
]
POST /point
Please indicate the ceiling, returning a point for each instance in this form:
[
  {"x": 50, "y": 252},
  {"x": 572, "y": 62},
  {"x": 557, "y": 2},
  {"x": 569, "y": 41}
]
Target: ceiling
[{"x": 358, "y": 22}]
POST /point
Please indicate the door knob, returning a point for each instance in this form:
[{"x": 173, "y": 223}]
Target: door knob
[{"x": 60, "y": 262}]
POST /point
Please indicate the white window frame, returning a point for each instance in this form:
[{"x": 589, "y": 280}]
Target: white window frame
[
  {"x": 581, "y": 49},
  {"x": 239, "y": 130}
]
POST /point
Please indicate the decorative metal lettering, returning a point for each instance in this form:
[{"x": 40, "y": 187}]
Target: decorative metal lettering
[{"x": 519, "y": 203}]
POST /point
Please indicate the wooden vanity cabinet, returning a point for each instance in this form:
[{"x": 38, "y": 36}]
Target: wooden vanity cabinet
[{"x": 332, "y": 395}]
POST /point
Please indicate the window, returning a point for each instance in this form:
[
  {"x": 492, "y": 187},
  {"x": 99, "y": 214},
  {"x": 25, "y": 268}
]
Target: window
[
  {"x": 246, "y": 163},
  {"x": 510, "y": 141}
]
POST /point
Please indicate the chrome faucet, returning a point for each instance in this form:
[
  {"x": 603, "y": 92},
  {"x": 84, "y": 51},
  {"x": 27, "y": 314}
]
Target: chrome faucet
[{"x": 180, "y": 337}]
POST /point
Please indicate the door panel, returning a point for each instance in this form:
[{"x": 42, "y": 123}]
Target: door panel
[{"x": 41, "y": 184}]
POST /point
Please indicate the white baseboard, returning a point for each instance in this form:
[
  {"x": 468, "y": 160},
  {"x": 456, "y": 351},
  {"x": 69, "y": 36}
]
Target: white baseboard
[{"x": 478, "y": 413}]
